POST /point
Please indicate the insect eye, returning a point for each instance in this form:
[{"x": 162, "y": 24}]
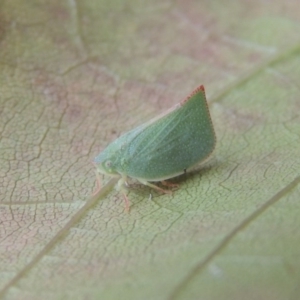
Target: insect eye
[{"x": 108, "y": 164}]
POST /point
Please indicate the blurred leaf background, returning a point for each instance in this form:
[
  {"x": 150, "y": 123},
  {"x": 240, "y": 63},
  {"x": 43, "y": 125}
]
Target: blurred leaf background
[{"x": 76, "y": 74}]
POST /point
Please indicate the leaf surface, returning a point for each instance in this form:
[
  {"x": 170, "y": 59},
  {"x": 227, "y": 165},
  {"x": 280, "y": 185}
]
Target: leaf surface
[{"x": 75, "y": 75}]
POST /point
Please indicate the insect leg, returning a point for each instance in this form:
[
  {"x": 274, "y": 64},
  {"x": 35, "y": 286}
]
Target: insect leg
[
  {"x": 169, "y": 184},
  {"x": 154, "y": 186},
  {"x": 98, "y": 184},
  {"x": 122, "y": 188},
  {"x": 127, "y": 203}
]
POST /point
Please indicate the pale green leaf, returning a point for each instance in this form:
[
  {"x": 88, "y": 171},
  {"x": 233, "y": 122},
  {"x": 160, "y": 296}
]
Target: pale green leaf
[{"x": 76, "y": 74}]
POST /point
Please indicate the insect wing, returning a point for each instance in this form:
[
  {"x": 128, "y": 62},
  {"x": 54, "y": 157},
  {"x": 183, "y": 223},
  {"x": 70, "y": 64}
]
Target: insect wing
[
  {"x": 114, "y": 149},
  {"x": 173, "y": 143}
]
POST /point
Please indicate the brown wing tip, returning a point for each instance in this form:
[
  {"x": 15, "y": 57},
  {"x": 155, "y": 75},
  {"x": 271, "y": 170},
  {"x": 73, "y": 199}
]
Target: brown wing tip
[{"x": 196, "y": 91}]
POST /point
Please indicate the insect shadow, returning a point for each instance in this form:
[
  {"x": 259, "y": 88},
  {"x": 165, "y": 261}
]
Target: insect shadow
[{"x": 173, "y": 184}]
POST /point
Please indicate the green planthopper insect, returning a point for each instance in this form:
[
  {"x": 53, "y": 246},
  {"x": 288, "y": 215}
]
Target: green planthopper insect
[{"x": 162, "y": 148}]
